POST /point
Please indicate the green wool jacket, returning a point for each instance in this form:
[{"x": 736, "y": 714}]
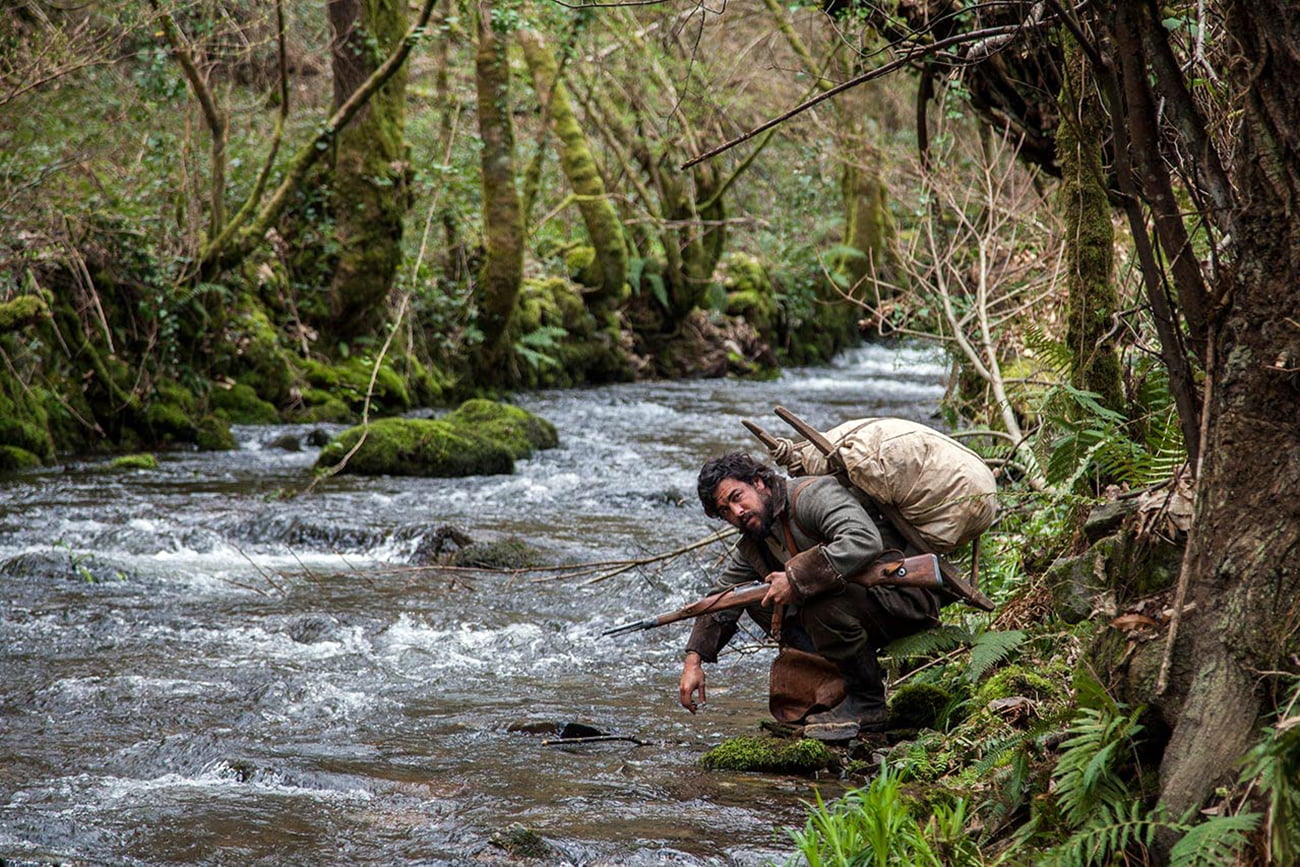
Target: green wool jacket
[{"x": 836, "y": 531}]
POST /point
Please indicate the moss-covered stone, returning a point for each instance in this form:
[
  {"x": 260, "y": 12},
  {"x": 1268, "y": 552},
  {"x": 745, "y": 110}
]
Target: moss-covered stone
[
  {"x": 1016, "y": 680},
  {"x": 321, "y": 407},
  {"x": 503, "y": 554},
  {"x": 257, "y": 357},
  {"x": 417, "y": 447},
  {"x": 349, "y": 382},
  {"x": 13, "y": 458},
  {"x": 27, "y": 435},
  {"x": 770, "y": 755},
  {"x": 518, "y": 430},
  {"x": 521, "y": 842},
  {"x": 169, "y": 423},
  {"x": 582, "y": 265},
  {"x": 917, "y": 705},
  {"x": 22, "y": 312},
  {"x": 134, "y": 462},
  {"x": 240, "y": 404},
  {"x": 214, "y": 435}
]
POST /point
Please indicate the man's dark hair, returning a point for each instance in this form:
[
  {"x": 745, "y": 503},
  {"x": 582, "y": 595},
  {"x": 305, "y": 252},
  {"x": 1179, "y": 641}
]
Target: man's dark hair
[{"x": 733, "y": 465}]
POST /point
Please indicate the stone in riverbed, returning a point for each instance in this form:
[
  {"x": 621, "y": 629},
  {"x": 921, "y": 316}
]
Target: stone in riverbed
[{"x": 479, "y": 438}]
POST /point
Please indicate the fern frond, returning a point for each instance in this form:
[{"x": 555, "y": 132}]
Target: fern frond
[
  {"x": 931, "y": 642},
  {"x": 1100, "y": 842},
  {"x": 1214, "y": 842},
  {"x": 991, "y": 648}
]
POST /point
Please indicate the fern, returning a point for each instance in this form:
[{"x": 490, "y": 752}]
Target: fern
[
  {"x": 991, "y": 648},
  {"x": 1114, "y": 829},
  {"x": 931, "y": 642},
  {"x": 1275, "y": 763},
  {"x": 1086, "y": 775},
  {"x": 1214, "y": 842}
]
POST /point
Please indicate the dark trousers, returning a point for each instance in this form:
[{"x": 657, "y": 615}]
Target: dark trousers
[{"x": 849, "y": 628}]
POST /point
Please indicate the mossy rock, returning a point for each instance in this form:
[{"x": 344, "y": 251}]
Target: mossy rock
[
  {"x": 582, "y": 265},
  {"x": 170, "y": 423},
  {"x": 917, "y": 706},
  {"x": 28, "y": 437},
  {"x": 13, "y": 459},
  {"x": 134, "y": 462},
  {"x": 517, "y": 429},
  {"x": 349, "y": 382},
  {"x": 1017, "y": 680},
  {"x": 320, "y": 406},
  {"x": 259, "y": 359},
  {"x": 22, "y": 312},
  {"x": 240, "y": 404},
  {"x": 769, "y": 755},
  {"x": 521, "y": 842},
  {"x": 214, "y": 435},
  {"x": 503, "y": 554},
  {"x": 417, "y": 447}
]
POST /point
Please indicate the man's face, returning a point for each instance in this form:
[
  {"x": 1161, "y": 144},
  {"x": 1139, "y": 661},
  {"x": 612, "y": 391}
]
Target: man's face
[{"x": 746, "y": 507}]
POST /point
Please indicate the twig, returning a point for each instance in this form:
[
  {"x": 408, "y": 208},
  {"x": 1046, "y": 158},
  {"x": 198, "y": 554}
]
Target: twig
[
  {"x": 703, "y": 543},
  {"x": 556, "y": 742}
]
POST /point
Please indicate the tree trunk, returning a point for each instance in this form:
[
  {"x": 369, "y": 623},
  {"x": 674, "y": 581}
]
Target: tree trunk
[
  {"x": 1090, "y": 236},
  {"x": 868, "y": 225},
  {"x": 598, "y": 213},
  {"x": 370, "y": 196},
  {"x": 502, "y": 274},
  {"x": 1244, "y": 550}
]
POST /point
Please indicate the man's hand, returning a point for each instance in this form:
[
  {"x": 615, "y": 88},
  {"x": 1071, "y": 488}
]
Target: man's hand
[
  {"x": 781, "y": 592},
  {"x": 692, "y": 682}
]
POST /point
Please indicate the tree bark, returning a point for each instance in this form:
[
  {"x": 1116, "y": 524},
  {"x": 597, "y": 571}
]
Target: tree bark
[
  {"x": 370, "y": 195},
  {"x": 1090, "y": 236},
  {"x": 598, "y": 213},
  {"x": 1244, "y": 547},
  {"x": 502, "y": 274}
]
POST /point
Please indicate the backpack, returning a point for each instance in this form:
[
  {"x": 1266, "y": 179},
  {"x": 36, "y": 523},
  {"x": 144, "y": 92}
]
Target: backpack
[{"x": 940, "y": 487}]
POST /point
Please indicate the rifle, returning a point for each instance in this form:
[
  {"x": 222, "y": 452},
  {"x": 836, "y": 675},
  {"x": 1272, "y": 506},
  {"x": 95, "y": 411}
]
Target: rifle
[{"x": 919, "y": 571}]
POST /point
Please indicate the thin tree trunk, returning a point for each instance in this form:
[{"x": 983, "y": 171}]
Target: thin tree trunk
[
  {"x": 598, "y": 213},
  {"x": 370, "y": 193},
  {"x": 502, "y": 274},
  {"x": 1090, "y": 236}
]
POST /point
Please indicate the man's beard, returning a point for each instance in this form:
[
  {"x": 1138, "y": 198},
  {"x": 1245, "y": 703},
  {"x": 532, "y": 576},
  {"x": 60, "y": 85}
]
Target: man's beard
[{"x": 767, "y": 517}]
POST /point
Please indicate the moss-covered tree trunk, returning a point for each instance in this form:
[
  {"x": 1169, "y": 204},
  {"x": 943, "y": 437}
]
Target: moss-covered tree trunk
[
  {"x": 1090, "y": 236},
  {"x": 868, "y": 225},
  {"x": 502, "y": 273},
  {"x": 598, "y": 213},
  {"x": 370, "y": 196}
]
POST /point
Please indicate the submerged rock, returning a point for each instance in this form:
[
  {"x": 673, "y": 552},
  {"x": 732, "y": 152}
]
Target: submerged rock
[{"x": 521, "y": 842}]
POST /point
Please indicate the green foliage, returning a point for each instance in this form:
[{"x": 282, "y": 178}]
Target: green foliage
[
  {"x": 1217, "y": 841},
  {"x": 878, "y": 826},
  {"x": 1274, "y": 763},
  {"x": 533, "y": 347},
  {"x": 991, "y": 649},
  {"x": 1088, "y": 778}
]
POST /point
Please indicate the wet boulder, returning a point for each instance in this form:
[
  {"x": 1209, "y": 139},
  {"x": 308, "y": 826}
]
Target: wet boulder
[{"x": 479, "y": 438}]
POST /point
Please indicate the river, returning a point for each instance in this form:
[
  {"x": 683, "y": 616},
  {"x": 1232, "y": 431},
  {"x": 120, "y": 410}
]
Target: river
[{"x": 196, "y": 667}]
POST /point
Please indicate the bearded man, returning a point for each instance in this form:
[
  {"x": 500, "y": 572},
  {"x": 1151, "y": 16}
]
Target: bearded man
[{"x": 804, "y": 539}]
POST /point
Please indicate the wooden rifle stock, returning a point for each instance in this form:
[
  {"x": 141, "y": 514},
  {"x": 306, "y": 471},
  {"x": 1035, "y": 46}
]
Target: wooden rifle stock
[{"x": 919, "y": 571}]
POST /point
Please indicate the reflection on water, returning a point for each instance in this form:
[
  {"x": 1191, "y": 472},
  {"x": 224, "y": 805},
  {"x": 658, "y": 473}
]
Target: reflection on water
[{"x": 196, "y": 668}]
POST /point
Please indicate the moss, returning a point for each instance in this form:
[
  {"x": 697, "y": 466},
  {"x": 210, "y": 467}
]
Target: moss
[
  {"x": 521, "y": 842},
  {"x": 417, "y": 447},
  {"x": 26, "y": 435},
  {"x": 350, "y": 383},
  {"x": 427, "y": 386},
  {"x": 771, "y": 755},
  {"x": 319, "y": 406},
  {"x": 917, "y": 706},
  {"x": 503, "y": 554},
  {"x": 240, "y": 404},
  {"x": 169, "y": 423},
  {"x": 582, "y": 265},
  {"x": 757, "y": 309},
  {"x": 134, "y": 462},
  {"x": 214, "y": 435},
  {"x": 13, "y": 458},
  {"x": 518, "y": 430},
  {"x": 1014, "y": 680},
  {"x": 22, "y": 312},
  {"x": 259, "y": 361}
]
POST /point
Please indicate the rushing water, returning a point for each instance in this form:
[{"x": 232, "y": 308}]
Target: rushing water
[{"x": 196, "y": 668}]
